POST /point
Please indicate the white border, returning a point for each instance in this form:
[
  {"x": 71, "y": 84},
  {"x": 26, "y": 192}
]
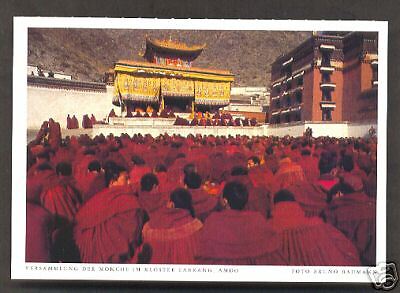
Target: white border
[{"x": 22, "y": 270}]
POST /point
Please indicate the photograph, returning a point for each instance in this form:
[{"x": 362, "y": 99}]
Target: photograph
[{"x": 199, "y": 150}]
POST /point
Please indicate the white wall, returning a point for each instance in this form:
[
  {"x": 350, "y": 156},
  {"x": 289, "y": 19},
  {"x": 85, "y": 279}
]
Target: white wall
[
  {"x": 45, "y": 103},
  {"x": 328, "y": 129},
  {"x": 361, "y": 130},
  {"x": 286, "y": 129}
]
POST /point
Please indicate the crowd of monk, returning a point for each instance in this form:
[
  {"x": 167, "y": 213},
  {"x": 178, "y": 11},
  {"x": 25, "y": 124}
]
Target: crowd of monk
[{"x": 201, "y": 200}]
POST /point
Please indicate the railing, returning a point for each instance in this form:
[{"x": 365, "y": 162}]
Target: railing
[{"x": 66, "y": 84}]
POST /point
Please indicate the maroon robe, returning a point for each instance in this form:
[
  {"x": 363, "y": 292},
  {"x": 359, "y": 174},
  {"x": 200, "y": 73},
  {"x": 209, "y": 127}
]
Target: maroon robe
[
  {"x": 173, "y": 235},
  {"x": 310, "y": 241},
  {"x": 152, "y": 201},
  {"x": 232, "y": 237},
  {"x": 355, "y": 215},
  {"x": 39, "y": 226},
  {"x": 203, "y": 203},
  {"x": 89, "y": 184},
  {"x": 108, "y": 227},
  {"x": 60, "y": 198}
]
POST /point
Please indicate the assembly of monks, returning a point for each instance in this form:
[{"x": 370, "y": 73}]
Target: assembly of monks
[{"x": 300, "y": 201}]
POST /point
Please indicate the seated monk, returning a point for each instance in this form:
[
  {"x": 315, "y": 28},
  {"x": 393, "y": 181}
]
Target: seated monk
[
  {"x": 203, "y": 203},
  {"x": 237, "y": 237},
  {"x": 354, "y": 213},
  {"x": 154, "y": 114},
  {"x": 59, "y": 196},
  {"x": 112, "y": 113},
  {"x": 39, "y": 227},
  {"x": 150, "y": 198},
  {"x": 326, "y": 166},
  {"x": 309, "y": 241},
  {"x": 288, "y": 173},
  {"x": 173, "y": 231},
  {"x": 138, "y": 169},
  {"x": 92, "y": 181},
  {"x": 108, "y": 226}
]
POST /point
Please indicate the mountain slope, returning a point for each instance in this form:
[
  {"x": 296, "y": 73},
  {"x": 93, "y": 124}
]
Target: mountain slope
[{"x": 87, "y": 53}]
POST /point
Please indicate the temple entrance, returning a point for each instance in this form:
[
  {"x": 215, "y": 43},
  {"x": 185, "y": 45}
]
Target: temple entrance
[{"x": 178, "y": 104}]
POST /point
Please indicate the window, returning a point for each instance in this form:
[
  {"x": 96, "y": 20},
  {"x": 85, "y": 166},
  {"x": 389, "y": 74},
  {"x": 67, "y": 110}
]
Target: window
[
  {"x": 326, "y": 78},
  {"x": 326, "y": 96},
  {"x": 300, "y": 81},
  {"x": 326, "y": 115},
  {"x": 299, "y": 97}
]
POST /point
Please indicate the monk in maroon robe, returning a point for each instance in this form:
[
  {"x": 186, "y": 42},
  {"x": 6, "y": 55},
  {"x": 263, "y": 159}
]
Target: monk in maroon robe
[
  {"x": 238, "y": 237},
  {"x": 74, "y": 122},
  {"x": 108, "y": 226},
  {"x": 39, "y": 226},
  {"x": 90, "y": 182},
  {"x": 354, "y": 213},
  {"x": 59, "y": 196},
  {"x": 150, "y": 198},
  {"x": 54, "y": 134},
  {"x": 69, "y": 121},
  {"x": 203, "y": 203},
  {"x": 173, "y": 231},
  {"x": 309, "y": 241}
]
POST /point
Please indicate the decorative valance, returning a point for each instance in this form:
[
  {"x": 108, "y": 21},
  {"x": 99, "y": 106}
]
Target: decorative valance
[
  {"x": 212, "y": 92},
  {"x": 177, "y": 87},
  {"x": 137, "y": 88}
]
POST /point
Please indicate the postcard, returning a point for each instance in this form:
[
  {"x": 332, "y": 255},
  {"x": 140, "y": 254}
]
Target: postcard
[{"x": 199, "y": 150}]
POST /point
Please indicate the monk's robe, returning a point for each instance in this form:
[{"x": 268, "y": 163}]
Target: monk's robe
[
  {"x": 327, "y": 181},
  {"x": 310, "y": 241},
  {"x": 261, "y": 176},
  {"x": 288, "y": 173},
  {"x": 355, "y": 215},
  {"x": 173, "y": 235},
  {"x": 232, "y": 237},
  {"x": 108, "y": 226},
  {"x": 152, "y": 201},
  {"x": 89, "y": 184},
  {"x": 35, "y": 183},
  {"x": 259, "y": 197},
  {"x": 137, "y": 172},
  {"x": 310, "y": 197},
  {"x": 61, "y": 199},
  {"x": 272, "y": 162},
  {"x": 309, "y": 164},
  {"x": 203, "y": 203},
  {"x": 39, "y": 226},
  {"x": 54, "y": 134}
]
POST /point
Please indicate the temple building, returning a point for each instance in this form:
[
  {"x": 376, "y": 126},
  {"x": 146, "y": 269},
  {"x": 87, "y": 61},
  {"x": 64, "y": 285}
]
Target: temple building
[
  {"x": 329, "y": 77},
  {"x": 166, "y": 79}
]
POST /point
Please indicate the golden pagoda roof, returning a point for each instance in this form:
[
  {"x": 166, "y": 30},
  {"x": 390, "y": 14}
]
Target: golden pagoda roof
[
  {"x": 174, "y": 45},
  {"x": 171, "y": 70}
]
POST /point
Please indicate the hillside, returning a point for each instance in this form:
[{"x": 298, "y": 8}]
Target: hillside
[{"x": 87, "y": 53}]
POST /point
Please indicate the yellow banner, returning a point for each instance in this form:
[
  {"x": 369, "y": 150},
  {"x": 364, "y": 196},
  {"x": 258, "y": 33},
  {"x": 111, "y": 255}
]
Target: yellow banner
[
  {"x": 177, "y": 87},
  {"x": 137, "y": 88},
  {"x": 212, "y": 92}
]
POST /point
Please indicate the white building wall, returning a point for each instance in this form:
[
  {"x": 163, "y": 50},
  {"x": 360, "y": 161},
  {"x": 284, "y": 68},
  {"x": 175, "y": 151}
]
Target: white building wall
[{"x": 44, "y": 103}]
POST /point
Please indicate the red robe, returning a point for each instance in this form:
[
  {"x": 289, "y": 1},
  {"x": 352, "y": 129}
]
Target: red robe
[
  {"x": 310, "y": 241},
  {"x": 203, "y": 203},
  {"x": 89, "y": 184},
  {"x": 173, "y": 235},
  {"x": 288, "y": 173},
  {"x": 61, "y": 199},
  {"x": 311, "y": 198},
  {"x": 232, "y": 237},
  {"x": 355, "y": 215},
  {"x": 152, "y": 201},
  {"x": 39, "y": 225},
  {"x": 108, "y": 227}
]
